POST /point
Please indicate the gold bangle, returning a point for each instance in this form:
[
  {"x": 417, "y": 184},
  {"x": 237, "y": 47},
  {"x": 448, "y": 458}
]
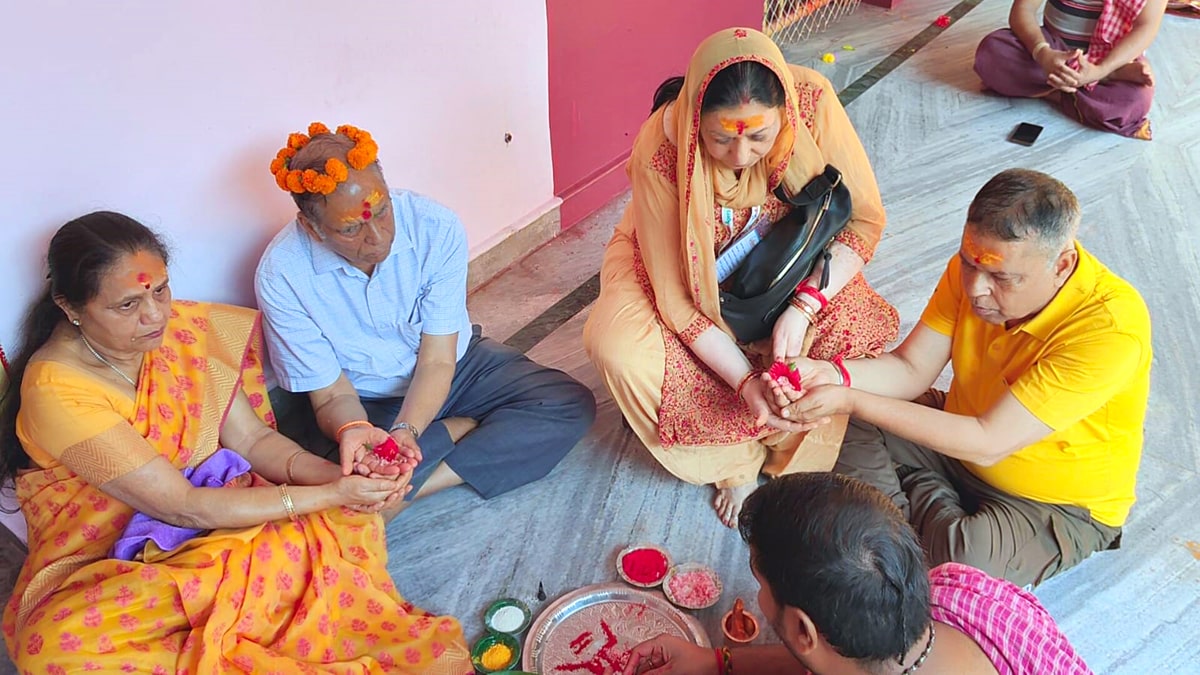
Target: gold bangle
[
  {"x": 355, "y": 423},
  {"x": 287, "y": 503},
  {"x": 290, "y": 462},
  {"x": 804, "y": 308}
]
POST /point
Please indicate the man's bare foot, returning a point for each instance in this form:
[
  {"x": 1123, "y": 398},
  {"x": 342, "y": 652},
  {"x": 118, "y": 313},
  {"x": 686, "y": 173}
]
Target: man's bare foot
[
  {"x": 1137, "y": 72},
  {"x": 728, "y": 502},
  {"x": 458, "y": 427},
  {"x": 442, "y": 476}
]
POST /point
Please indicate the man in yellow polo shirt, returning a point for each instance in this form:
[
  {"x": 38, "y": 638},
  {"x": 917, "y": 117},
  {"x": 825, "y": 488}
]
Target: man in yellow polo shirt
[{"x": 1027, "y": 465}]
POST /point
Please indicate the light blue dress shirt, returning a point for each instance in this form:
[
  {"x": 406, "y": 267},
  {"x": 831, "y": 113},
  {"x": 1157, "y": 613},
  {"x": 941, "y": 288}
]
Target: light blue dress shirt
[{"x": 322, "y": 316}]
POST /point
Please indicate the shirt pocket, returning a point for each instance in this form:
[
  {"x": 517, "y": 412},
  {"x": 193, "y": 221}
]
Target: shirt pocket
[
  {"x": 410, "y": 330},
  {"x": 415, "y": 314}
]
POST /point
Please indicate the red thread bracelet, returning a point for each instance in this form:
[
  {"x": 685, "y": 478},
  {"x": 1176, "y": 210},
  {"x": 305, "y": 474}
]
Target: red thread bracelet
[
  {"x": 811, "y": 291},
  {"x": 720, "y": 661},
  {"x": 838, "y": 362},
  {"x": 749, "y": 376}
]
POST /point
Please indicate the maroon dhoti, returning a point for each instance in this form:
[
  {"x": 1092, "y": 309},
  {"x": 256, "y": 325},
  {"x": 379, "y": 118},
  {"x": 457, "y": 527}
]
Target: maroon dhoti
[{"x": 1007, "y": 68}]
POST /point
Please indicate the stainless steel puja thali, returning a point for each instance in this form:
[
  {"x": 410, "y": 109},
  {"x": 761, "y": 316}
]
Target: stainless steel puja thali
[{"x": 594, "y": 628}]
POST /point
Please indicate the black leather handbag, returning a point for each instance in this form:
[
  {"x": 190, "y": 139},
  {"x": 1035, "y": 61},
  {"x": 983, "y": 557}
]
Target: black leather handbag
[{"x": 757, "y": 291}]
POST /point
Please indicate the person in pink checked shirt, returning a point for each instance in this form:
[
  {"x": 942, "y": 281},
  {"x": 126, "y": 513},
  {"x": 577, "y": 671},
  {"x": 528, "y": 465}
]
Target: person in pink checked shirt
[{"x": 843, "y": 583}]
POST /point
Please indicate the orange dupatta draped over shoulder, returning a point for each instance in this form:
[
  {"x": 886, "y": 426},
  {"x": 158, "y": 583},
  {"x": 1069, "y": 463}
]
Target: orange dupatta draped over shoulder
[
  {"x": 305, "y": 596},
  {"x": 659, "y": 282}
]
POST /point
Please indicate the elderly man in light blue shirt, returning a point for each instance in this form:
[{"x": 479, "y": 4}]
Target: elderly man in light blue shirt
[{"x": 364, "y": 305}]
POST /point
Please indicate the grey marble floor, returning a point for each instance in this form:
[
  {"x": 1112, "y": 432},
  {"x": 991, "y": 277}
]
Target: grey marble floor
[{"x": 934, "y": 139}]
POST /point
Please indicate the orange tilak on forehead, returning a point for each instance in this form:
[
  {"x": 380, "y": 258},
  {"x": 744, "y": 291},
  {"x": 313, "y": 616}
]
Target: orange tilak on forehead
[
  {"x": 368, "y": 207},
  {"x": 739, "y": 126},
  {"x": 978, "y": 254}
]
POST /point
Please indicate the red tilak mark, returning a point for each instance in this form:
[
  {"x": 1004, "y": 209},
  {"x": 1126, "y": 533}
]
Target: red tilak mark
[
  {"x": 741, "y": 127},
  {"x": 367, "y": 215},
  {"x": 978, "y": 260},
  {"x": 366, "y": 205},
  {"x": 144, "y": 279},
  {"x": 739, "y": 33}
]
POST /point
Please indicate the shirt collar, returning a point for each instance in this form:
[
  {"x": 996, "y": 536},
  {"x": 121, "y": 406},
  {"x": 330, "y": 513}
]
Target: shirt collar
[{"x": 1079, "y": 287}]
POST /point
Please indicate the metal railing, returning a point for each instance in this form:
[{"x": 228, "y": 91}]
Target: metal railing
[{"x": 790, "y": 21}]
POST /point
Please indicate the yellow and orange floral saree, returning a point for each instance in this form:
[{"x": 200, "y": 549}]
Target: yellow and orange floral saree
[{"x": 310, "y": 596}]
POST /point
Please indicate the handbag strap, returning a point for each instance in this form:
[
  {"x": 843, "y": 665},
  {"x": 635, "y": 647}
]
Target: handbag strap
[
  {"x": 817, "y": 189},
  {"x": 814, "y": 191}
]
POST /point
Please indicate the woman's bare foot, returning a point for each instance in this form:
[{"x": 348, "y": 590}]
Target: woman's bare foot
[
  {"x": 728, "y": 502},
  {"x": 1137, "y": 72}
]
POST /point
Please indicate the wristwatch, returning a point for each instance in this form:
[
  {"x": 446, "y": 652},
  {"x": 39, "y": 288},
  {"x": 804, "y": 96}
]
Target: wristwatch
[{"x": 405, "y": 425}]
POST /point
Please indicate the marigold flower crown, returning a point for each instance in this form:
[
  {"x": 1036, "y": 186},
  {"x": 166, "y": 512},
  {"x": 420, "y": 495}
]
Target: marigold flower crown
[{"x": 361, "y": 156}]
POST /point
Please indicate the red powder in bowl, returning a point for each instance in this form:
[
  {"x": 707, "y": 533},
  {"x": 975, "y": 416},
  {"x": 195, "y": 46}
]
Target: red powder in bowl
[{"x": 644, "y": 565}]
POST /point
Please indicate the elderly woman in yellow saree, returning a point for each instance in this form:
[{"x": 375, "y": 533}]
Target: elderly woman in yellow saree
[
  {"x": 171, "y": 529},
  {"x": 704, "y": 167}
]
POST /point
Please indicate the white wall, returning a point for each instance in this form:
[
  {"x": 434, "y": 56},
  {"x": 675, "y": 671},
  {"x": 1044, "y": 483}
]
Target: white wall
[{"x": 171, "y": 112}]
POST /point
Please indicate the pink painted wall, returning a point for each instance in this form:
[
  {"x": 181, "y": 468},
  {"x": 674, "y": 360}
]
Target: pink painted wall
[
  {"x": 606, "y": 59},
  {"x": 171, "y": 111}
]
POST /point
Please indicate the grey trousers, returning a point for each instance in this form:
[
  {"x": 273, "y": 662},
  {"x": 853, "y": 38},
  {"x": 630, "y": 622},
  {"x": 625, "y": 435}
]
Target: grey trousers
[
  {"x": 962, "y": 519},
  {"x": 529, "y": 416}
]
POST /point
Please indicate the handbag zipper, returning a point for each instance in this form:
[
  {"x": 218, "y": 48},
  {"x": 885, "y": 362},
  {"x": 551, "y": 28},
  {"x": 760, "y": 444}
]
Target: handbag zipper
[{"x": 799, "y": 252}]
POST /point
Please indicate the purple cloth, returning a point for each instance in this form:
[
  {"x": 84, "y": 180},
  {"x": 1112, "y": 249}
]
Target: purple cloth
[
  {"x": 214, "y": 472},
  {"x": 1007, "y": 68}
]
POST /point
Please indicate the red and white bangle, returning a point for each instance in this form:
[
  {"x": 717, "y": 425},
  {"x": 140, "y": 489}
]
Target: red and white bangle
[
  {"x": 811, "y": 291},
  {"x": 843, "y": 372}
]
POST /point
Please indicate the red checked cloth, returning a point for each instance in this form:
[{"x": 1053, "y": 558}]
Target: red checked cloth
[{"x": 1116, "y": 19}]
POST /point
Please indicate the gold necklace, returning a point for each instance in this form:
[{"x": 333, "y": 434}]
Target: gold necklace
[
  {"x": 924, "y": 654},
  {"x": 106, "y": 361}
]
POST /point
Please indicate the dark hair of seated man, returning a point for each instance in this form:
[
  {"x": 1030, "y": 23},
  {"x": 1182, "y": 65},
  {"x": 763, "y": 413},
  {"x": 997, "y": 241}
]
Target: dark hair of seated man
[{"x": 841, "y": 552}]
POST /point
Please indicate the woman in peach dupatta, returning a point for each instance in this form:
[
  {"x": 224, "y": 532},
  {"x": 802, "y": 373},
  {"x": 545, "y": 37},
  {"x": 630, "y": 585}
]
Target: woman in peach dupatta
[
  {"x": 704, "y": 166},
  {"x": 121, "y": 389}
]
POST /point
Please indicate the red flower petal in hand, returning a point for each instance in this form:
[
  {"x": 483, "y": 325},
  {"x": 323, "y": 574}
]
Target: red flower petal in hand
[
  {"x": 782, "y": 372},
  {"x": 388, "y": 450}
]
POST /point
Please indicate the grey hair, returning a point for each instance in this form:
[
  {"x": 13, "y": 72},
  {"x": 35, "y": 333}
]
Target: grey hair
[
  {"x": 1021, "y": 204},
  {"x": 321, "y": 148}
]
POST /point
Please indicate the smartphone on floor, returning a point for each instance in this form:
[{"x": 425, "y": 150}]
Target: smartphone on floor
[{"x": 1025, "y": 133}]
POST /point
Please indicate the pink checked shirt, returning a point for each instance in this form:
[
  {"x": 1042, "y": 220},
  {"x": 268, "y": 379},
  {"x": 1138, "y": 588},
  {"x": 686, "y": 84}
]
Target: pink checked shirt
[{"x": 1009, "y": 624}]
